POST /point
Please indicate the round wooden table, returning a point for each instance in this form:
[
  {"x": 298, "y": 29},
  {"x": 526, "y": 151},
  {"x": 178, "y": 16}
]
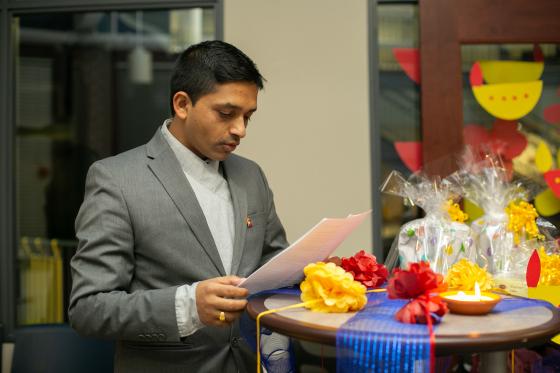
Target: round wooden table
[{"x": 503, "y": 331}]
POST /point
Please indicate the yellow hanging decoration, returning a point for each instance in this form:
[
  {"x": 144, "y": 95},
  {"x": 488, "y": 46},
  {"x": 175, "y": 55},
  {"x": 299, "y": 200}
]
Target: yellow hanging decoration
[
  {"x": 522, "y": 218},
  {"x": 463, "y": 275},
  {"x": 543, "y": 158},
  {"x": 550, "y": 268},
  {"x": 334, "y": 286},
  {"x": 455, "y": 212}
]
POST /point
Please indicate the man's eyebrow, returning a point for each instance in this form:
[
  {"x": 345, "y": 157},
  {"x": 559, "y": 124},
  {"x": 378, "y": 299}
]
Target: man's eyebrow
[{"x": 229, "y": 105}]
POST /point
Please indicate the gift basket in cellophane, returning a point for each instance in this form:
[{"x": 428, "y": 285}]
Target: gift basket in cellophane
[
  {"x": 441, "y": 237},
  {"x": 510, "y": 226}
]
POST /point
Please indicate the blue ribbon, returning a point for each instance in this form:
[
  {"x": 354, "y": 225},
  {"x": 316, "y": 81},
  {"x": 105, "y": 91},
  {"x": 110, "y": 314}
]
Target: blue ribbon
[{"x": 373, "y": 341}]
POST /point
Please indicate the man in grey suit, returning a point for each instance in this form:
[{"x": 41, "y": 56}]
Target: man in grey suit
[{"x": 167, "y": 230}]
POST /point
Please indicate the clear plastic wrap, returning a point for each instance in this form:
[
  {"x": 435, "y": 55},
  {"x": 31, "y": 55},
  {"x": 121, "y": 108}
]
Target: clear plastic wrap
[
  {"x": 509, "y": 221},
  {"x": 436, "y": 238},
  {"x": 514, "y": 281}
]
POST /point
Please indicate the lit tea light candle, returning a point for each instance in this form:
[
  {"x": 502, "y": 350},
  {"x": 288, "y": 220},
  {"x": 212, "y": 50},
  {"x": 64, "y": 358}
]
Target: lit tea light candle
[
  {"x": 470, "y": 303},
  {"x": 476, "y": 297}
]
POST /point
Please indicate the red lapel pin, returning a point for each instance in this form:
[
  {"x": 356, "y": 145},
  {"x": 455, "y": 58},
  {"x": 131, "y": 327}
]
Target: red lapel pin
[{"x": 249, "y": 222}]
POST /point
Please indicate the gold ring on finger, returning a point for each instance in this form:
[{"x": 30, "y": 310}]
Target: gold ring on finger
[{"x": 222, "y": 316}]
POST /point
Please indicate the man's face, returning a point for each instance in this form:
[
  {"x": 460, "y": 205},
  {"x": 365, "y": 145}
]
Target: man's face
[{"x": 215, "y": 125}]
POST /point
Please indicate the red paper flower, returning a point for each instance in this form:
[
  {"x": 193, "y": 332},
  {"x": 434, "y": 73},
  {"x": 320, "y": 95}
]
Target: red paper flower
[
  {"x": 365, "y": 269},
  {"x": 414, "y": 312},
  {"x": 417, "y": 283},
  {"x": 418, "y": 280}
]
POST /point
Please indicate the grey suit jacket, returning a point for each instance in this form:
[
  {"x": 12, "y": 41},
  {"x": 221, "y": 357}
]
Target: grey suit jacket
[{"x": 142, "y": 234}]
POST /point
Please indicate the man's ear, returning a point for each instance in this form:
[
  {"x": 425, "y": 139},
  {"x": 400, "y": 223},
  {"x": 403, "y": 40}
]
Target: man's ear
[{"x": 182, "y": 104}]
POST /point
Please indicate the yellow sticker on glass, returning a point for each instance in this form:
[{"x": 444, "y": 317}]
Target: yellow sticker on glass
[
  {"x": 508, "y": 101},
  {"x": 511, "y": 71},
  {"x": 472, "y": 210},
  {"x": 547, "y": 204},
  {"x": 543, "y": 157}
]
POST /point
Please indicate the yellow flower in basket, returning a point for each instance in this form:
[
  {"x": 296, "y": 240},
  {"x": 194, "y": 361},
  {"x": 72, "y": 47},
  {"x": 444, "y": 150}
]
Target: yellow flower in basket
[
  {"x": 522, "y": 218},
  {"x": 329, "y": 288},
  {"x": 455, "y": 212},
  {"x": 463, "y": 275},
  {"x": 550, "y": 268}
]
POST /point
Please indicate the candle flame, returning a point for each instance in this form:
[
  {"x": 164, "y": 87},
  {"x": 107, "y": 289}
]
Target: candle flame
[{"x": 477, "y": 291}]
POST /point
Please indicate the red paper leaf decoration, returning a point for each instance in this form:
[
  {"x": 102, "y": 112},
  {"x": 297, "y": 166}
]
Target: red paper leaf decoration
[
  {"x": 503, "y": 139},
  {"x": 410, "y": 152},
  {"x": 533, "y": 270},
  {"x": 475, "y": 135},
  {"x": 510, "y": 141},
  {"x": 552, "y": 178},
  {"x": 552, "y": 113},
  {"x": 538, "y": 54},
  {"x": 409, "y": 61},
  {"x": 476, "y": 75}
]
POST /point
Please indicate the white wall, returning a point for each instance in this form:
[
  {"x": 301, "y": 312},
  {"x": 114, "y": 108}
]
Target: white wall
[{"x": 311, "y": 131}]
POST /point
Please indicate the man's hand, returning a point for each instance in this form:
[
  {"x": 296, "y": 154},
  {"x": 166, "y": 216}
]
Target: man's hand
[{"x": 220, "y": 294}]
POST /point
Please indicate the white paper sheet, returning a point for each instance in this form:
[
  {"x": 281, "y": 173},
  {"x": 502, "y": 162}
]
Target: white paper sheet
[{"x": 317, "y": 244}]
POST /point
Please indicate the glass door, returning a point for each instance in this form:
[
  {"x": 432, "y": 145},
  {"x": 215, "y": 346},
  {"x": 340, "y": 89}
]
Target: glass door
[{"x": 87, "y": 85}]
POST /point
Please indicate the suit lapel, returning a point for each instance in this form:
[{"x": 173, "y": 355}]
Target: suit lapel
[
  {"x": 239, "y": 199},
  {"x": 167, "y": 169}
]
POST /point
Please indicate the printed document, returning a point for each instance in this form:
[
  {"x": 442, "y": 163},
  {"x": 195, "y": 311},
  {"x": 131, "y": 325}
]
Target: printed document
[{"x": 286, "y": 268}]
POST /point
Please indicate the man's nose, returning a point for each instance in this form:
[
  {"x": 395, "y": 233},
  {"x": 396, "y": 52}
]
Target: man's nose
[{"x": 239, "y": 127}]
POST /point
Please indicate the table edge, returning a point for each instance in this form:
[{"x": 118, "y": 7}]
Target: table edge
[{"x": 445, "y": 345}]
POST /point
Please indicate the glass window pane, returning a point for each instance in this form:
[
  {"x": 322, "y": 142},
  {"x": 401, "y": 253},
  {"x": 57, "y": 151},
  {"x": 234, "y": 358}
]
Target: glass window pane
[
  {"x": 88, "y": 85},
  {"x": 399, "y": 106},
  {"x": 516, "y": 112}
]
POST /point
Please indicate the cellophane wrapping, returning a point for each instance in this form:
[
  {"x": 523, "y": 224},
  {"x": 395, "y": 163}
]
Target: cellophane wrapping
[
  {"x": 503, "y": 252},
  {"x": 434, "y": 238}
]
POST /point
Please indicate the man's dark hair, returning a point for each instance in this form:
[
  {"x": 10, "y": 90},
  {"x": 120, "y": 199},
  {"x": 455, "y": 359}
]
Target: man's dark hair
[{"x": 201, "y": 66}]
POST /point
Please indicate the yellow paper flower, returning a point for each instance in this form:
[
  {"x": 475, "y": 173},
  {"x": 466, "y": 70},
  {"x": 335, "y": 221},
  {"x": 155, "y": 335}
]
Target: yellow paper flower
[
  {"x": 522, "y": 218},
  {"x": 463, "y": 274},
  {"x": 550, "y": 268},
  {"x": 455, "y": 212},
  {"x": 334, "y": 289}
]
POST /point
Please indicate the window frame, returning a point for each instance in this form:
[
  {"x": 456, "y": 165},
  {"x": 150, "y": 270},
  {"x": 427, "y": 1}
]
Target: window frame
[
  {"x": 444, "y": 27},
  {"x": 8, "y": 10}
]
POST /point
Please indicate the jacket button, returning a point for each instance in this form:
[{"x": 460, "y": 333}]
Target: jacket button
[
  {"x": 235, "y": 342},
  {"x": 141, "y": 336}
]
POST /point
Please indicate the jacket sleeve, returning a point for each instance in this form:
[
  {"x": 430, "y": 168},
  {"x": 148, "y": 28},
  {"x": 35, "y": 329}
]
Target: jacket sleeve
[
  {"x": 275, "y": 235},
  {"x": 101, "y": 303}
]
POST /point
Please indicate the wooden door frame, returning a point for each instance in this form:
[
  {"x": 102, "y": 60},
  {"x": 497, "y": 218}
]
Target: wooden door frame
[{"x": 445, "y": 25}]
